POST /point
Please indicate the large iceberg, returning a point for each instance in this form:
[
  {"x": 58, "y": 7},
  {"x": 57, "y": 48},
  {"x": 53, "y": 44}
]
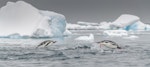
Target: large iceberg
[{"x": 23, "y": 19}]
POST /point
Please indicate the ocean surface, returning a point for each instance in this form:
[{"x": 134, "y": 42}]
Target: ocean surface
[{"x": 69, "y": 53}]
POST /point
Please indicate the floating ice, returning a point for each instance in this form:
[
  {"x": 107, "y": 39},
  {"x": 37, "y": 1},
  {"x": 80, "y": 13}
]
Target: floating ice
[
  {"x": 81, "y": 27},
  {"x": 89, "y": 38},
  {"x": 132, "y": 37},
  {"x": 135, "y": 26},
  {"x": 88, "y": 26},
  {"x": 67, "y": 32},
  {"x": 87, "y": 23},
  {"x": 25, "y": 20},
  {"x": 147, "y": 28},
  {"x": 105, "y": 25},
  {"x": 73, "y": 26},
  {"x": 125, "y": 19},
  {"x": 115, "y": 33},
  {"x": 128, "y": 22}
]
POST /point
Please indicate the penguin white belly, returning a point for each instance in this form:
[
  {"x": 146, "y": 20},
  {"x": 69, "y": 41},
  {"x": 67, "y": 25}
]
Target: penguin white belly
[
  {"x": 51, "y": 43},
  {"x": 110, "y": 45}
]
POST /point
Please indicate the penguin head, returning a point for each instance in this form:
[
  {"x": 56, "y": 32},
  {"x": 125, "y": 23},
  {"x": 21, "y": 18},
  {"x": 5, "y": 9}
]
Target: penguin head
[
  {"x": 103, "y": 42},
  {"x": 54, "y": 41}
]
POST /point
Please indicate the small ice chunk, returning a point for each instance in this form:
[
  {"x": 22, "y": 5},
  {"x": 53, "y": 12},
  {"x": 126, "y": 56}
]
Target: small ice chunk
[
  {"x": 115, "y": 33},
  {"x": 132, "y": 37},
  {"x": 89, "y": 38}
]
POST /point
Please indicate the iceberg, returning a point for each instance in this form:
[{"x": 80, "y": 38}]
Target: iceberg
[
  {"x": 52, "y": 24},
  {"x": 147, "y": 28},
  {"x": 22, "y": 19},
  {"x": 129, "y": 22},
  {"x": 105, "y": 25},
  {"x": 87, "y": 23},
  {"x": 125, "y": 19},
  {"x": 67, "y": 32},
  {"x": 88, "y": 26},
  {"x": 135, "y": 26},
  {"x": 124, "y": 22},
  {"x": 81, "y": 27}
]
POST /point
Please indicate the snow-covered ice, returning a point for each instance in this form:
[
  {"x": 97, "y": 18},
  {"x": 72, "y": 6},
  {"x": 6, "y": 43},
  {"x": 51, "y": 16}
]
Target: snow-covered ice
[
  {"x": 129, "y": 22},
  {"x": 26, "y": 20},
  {"x": 81, "y": 27},
  {"x": 89, "y": 38},
  {"x": 136, "y": 26},
  {"x": 105, "y": 25},
  {"x": 88, "y": 26},
  {"x": 67, "y": 32},
  {"x": 125, "y": 19},
  {"x": 115, "y": 33},
  {"x": 131, "y": 37},
  {"x": 87, "y": 23}
]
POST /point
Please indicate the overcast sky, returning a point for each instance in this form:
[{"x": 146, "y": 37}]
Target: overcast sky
[{"x": 93, "y": 10}]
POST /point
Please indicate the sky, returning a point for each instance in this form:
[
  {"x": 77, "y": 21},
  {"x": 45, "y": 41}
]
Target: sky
[{"x": 93, "y": 10}]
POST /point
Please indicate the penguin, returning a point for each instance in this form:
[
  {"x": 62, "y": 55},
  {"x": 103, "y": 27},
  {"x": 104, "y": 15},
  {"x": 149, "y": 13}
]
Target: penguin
[
  {"x": 109, "y": 44},
  {"x": 46, "y": 43}
]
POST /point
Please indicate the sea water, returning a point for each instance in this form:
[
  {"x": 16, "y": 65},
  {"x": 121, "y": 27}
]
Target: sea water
[{"x": 70, "y": 53}]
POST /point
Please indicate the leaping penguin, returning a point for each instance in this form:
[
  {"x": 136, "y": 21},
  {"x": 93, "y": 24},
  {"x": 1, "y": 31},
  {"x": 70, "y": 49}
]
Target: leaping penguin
[
  {"x": 109, "y": 44},
  {"x": 46, "y": 43}
]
